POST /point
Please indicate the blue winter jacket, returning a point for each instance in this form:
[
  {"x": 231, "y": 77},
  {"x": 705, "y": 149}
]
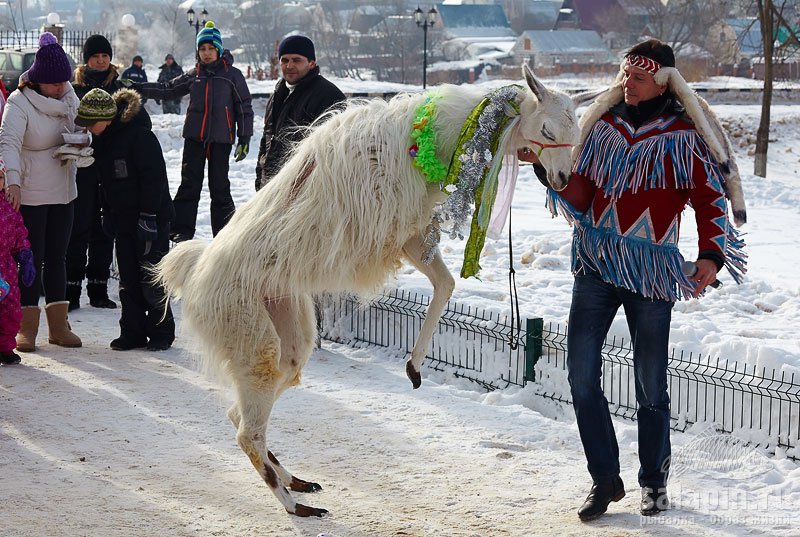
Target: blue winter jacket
[{"x": 219, "y": 101}]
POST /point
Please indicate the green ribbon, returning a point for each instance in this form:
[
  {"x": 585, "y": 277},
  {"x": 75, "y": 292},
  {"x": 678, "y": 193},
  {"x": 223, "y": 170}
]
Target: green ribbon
[{"x": 477, "y": 232}]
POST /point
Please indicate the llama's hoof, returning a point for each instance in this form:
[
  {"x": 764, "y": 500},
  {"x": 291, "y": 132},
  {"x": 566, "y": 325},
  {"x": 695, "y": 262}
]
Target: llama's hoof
[
  {"x": 413, "y": 375},
  {"x": 299, "y": 485},
  {"x": 306, "y": 511}
]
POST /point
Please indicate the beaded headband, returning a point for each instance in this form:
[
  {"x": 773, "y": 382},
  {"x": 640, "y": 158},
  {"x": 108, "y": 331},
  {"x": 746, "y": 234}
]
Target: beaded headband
[{"x": 644, "y": 63}]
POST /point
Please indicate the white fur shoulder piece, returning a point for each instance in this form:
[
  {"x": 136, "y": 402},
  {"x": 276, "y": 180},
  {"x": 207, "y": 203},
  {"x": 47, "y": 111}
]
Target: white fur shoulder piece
[{"x": 705, "y": 121}]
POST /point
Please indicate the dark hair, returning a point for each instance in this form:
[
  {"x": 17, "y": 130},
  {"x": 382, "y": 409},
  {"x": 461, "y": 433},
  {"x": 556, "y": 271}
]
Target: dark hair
[
  {"x": 655, "y": 50},
  {"x": 30, "y": 84}
]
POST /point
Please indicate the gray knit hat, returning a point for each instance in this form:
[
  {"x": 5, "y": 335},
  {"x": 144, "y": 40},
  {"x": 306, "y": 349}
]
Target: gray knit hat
[{"x": 97, "y": 105}]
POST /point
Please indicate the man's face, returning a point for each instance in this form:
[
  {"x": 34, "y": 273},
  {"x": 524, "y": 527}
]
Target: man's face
[
  {"x": 208, "y": 53},
  {"x": 138, "y": 63},
  {"x": 639, "y": 86},
  {"x": 169, "y": 61},
  {"x": 99, "y": 61},
  {"x": 294, "y": 67}
]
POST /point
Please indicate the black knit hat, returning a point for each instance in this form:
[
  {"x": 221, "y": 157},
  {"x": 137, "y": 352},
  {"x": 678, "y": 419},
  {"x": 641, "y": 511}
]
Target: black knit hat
[
  {"x": 297, "y": 44},
  {"x": 96, "y": 44},
  {"x": 137, "y": 58}
]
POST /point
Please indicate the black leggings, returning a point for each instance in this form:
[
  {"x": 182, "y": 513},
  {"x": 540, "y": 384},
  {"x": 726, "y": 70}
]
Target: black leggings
[{"x": 49, "y": 228}]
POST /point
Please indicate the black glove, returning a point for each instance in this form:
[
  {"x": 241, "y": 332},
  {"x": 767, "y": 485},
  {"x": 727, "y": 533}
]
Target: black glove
[
  {"x": 242, "y": 148},
  {"x": 146, "y": 231}
]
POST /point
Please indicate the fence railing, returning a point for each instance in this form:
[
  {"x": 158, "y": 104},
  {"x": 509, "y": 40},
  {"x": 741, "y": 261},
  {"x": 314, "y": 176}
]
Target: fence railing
[
  {"x": 759, "y": 405},
  {"x": 71, "y": 40}
]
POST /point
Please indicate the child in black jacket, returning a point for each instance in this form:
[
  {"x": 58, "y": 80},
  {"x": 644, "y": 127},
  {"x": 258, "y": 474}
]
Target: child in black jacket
[{"x": 137, "y": 211}]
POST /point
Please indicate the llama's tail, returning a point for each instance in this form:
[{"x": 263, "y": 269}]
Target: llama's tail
[{"x": 176, "y": 268}]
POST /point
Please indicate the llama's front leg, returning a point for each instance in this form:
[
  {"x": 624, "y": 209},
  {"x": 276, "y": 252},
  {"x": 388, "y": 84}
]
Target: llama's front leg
[{"x": 443, "y": 284}]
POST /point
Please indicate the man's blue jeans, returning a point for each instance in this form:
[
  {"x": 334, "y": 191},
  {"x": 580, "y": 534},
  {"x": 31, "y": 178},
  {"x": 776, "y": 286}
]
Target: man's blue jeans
[{"x": 594, "y": 304}]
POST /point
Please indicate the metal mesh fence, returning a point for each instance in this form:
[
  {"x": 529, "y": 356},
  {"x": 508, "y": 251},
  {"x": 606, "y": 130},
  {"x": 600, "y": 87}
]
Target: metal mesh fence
[{"x": 754, "y": 403}]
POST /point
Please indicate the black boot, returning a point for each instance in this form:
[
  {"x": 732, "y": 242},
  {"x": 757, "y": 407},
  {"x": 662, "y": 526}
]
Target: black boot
[
  {"x": 73, "y": 295},
  {"x": 654, "y": 501},
  {"x": 125, "y": 343},
  {"x": 9, "y": 358},
  {"x": 98, "y": 294},
  {"x": 602, "y": 493}
]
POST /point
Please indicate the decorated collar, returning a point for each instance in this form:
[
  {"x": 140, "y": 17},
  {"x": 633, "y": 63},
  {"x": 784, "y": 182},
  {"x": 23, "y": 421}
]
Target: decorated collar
[{"x": 476, "y": 163}]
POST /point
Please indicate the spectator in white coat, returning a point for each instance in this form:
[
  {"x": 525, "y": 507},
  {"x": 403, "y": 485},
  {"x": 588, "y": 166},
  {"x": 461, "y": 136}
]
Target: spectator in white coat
[{"x": 41, "y": 184}]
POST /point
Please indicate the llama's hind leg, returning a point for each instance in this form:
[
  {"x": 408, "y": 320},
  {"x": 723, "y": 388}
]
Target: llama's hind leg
[
  {"x": 293, "y": 483},
  {"x": 254, "y": 407},
  {"x": 443, "y": 285}
]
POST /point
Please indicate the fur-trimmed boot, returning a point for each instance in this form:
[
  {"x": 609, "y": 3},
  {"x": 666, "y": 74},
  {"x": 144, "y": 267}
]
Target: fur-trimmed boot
[
  {"x": 60, "y": 331},
  {"x": 28, "y": 328}
]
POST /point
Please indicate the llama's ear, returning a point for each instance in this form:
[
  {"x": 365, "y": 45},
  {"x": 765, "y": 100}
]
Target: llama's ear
[
  {"x": 586, "y": 96},
  {"x": 537, "y": 87}
]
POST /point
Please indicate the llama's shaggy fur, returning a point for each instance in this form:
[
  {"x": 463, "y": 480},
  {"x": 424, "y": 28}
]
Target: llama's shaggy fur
[{"x": 340, "y": 216}]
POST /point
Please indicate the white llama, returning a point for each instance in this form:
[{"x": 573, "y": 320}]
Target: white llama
[{"x": 340, "y": 216}]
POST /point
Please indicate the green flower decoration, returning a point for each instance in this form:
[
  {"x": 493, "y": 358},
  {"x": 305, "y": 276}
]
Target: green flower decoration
[{"x": 424, "y": 149}]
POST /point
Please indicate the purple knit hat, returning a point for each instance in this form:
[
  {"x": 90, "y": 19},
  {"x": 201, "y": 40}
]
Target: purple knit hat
[{"x": 51, "y": 65}]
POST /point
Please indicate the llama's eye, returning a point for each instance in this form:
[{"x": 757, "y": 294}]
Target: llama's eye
[{"x": 546, "y": 134}]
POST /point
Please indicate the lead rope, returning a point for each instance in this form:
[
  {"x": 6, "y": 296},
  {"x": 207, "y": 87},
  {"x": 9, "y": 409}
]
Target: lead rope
[{"x": 516, "y": 321}]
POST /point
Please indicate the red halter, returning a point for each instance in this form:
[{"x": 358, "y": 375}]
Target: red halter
[{"x": 542, "y": 146}]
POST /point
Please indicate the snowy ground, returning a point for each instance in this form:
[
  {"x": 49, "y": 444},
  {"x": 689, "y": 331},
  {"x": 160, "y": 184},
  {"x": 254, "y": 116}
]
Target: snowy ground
[{"x": 101, "y": 443}]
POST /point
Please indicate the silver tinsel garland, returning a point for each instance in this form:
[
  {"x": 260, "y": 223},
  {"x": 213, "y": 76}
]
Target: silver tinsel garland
[{"x": 476, "y": 159}]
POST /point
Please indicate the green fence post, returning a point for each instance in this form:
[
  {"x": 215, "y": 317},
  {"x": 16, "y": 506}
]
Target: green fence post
[{"x": 534, "y": 329}]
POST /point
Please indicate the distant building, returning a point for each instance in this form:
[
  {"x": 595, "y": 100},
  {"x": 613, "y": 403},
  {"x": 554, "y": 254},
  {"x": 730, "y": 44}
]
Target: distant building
[
  {"x": 475, "y": 31},
  {"x": 551, "y": 48},
  {"x": 532, "y": 14}
]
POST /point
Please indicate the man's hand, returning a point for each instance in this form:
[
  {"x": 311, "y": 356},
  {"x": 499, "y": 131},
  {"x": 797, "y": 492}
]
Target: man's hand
[
  {"x": 706, "y": 274},
  {"x": 13, "y": 196},
  {"x": 528, "y": 155},
  {"x": 242, "y": 148}
]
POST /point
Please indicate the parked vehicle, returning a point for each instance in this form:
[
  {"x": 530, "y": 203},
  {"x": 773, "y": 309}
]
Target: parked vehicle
[{"x": 14, "y": 62}]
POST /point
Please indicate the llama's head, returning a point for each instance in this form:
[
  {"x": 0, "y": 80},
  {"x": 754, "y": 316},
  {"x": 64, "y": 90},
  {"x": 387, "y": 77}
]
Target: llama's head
[{"x": 549, "y": 128}]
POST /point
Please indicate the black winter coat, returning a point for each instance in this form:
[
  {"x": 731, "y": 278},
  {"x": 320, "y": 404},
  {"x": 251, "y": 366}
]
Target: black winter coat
[
  {"x": 133, "y": 175},
  {"x": 219, "y": 101},
  {"x": 87, "y": 79},
  {"x": 311, "y": 97}
]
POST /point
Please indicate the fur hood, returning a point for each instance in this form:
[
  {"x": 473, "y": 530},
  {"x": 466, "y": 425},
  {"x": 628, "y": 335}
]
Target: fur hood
[
  {"x": 82, "y": 72},
  {"x": 129, "y": 102},
  {"x": 699, "y": 112}
]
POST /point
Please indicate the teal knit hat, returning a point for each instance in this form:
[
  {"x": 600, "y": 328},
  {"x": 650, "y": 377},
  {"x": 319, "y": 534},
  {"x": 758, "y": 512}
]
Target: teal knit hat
[{"x": 210, "y": 34}]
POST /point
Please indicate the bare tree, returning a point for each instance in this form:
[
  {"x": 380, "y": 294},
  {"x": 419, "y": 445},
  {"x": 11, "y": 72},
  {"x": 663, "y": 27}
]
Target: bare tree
[{"x": 677, "y": 22}]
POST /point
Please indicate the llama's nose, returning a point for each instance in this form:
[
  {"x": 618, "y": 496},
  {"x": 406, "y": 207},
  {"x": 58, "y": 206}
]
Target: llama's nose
[{"x": 562, "y": 176}]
